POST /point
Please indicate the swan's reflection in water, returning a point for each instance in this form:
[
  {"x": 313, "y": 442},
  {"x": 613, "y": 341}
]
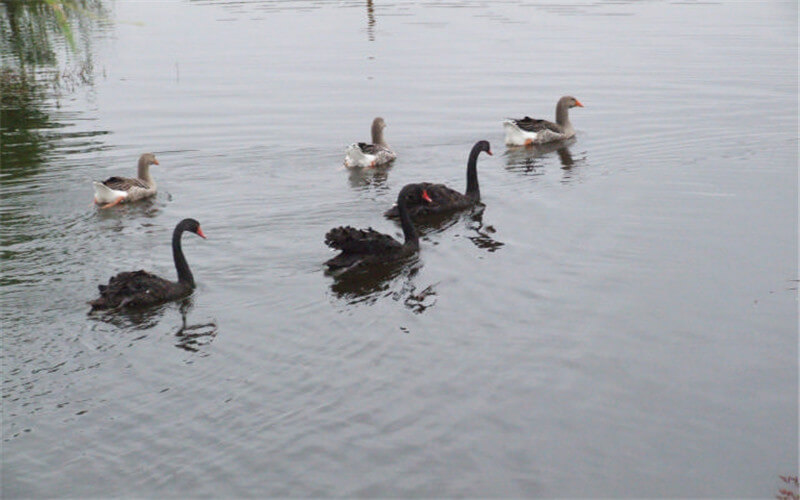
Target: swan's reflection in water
[
  {"x": 190, "y": 337},
  {"x": 473, "y": 220},
  {"x": 482, "y": 238},
  {"x": 193, "y": 337},
  {"x": 530, "y": 160},
  {"x": 394, "y": 280},
  {"x": 130, "y": 319}
]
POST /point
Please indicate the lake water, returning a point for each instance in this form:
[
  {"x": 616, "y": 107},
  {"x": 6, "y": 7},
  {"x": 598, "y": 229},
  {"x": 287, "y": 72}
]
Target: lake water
[{"x": 620, "y": 320}]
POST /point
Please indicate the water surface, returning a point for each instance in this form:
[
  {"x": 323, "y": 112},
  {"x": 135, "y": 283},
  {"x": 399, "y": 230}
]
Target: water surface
[{"x": 619, "y": 320}]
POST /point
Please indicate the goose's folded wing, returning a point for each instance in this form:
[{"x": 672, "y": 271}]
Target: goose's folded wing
[
  {"x": 124, "y": 183},
  {"x": 533, "y": 125}
]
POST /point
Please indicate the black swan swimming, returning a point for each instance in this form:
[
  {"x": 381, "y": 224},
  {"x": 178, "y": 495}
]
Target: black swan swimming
[
  {"x": 141, "y": 289},
  {"x": 527, "y": 131},
  {"x": 438, "y": 198},
  {"x": 367, "y": 246}
]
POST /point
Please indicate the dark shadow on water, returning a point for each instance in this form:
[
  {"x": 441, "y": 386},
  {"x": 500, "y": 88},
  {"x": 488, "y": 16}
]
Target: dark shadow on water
[
  {"x": 482, "y": 237},
  {"x": 473, "y": 219},
  {"x": 394, "y": 280},
  {"x": 136, "y": 319},
  {"x": 194, "y": 337},
  {"x": 189, "y": 337}
]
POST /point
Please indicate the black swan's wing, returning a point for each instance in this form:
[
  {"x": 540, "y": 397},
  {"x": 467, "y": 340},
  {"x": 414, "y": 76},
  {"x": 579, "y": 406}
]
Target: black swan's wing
[
  {"x": 361, "y": 241},
  {"x": 136, "y": 289},
  {"x": 443, "y": 199}
]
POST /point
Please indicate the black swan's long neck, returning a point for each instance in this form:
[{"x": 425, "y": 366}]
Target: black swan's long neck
[
  {"x": 184, "y": 273},
  {"x": 412, "y": 239},
  {"x": 473, "y": 191},
  {"x": 562, "y": 113}
]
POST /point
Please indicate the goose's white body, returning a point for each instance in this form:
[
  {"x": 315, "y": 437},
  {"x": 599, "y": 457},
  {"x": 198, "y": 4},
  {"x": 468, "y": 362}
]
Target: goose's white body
[
  {"x": 104, "y": 194},
  {"x": 515, "y": 136},
  {"x": 362, "y": 154},
  {"x": 354, "y": 157}
]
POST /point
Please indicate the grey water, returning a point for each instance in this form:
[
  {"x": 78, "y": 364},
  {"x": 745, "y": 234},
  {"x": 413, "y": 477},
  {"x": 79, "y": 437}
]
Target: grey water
[{"x": 620, "y": 320}]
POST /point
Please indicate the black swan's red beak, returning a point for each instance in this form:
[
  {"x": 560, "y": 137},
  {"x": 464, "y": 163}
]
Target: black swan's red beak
[
  {"x": 200, "y": 233},
  {"x": 425, "y": 196}
]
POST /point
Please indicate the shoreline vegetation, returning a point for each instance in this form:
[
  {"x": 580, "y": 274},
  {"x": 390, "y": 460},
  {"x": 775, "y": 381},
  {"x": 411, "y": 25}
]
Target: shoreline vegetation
[
  {"x": 45, "y": 54},
  {"x": 45, "y": 47}
]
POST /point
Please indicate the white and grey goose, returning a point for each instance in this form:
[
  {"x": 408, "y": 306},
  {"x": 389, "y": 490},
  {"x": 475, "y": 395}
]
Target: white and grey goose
[
  {"x": 527, "y": 131},
  {"x": 116, "y": 190},
  {"x": 378, "y": 153}
]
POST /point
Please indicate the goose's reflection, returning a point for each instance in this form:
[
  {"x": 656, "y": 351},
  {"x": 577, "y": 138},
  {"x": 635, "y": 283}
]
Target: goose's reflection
[
  {"x": 361, "y": 177},
  {"x": 370, "y": 21},
  {"x": 148, "y": 207},
  {"x": 394, "y": 280},
  {"x": 529, "y": 159},
  {"x": 192, "y": 337}
]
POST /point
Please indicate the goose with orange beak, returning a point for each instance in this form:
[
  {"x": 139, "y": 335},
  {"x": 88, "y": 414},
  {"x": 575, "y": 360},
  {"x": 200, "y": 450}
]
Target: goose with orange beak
[
  {"x": 115, "y": 190},
  {"x": 527, "y": 131}
]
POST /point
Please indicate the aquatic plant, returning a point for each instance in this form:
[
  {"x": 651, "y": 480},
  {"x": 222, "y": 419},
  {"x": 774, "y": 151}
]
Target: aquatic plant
[
  {"x": 44, "y": 53},
  {"x": 38, "y": 38},
  {"x": 31, "y": 31}
]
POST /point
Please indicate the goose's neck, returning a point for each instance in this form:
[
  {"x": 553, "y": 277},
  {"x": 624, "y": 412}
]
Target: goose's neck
[
  {"x": 562, "y": 114},
  {"x": 377, "y": 135},
  {"x": 184, "y": 273},
  {"x": 143, "y": 172},
  {"x": 473, "y": 190},
  {"x": 410, "y": 234}
]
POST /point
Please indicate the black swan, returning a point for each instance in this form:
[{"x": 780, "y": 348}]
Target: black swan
[
  {"x": 438, "y": 198},
  {"x": 367, "y": 246},
  {"x": 141, "y": 289},
  {"x": 527, "y": 131}
]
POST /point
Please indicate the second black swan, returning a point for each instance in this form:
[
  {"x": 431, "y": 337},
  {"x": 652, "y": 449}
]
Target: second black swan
[
  {"x": 367, "y": 246},
  {"x": 438, "y": 198}
]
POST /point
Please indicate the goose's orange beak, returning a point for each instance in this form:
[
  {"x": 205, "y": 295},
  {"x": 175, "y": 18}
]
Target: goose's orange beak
[
  {"x": 200, "y": 233},
  {"x": 425, "y": 196},
  {"x": 155, "y": 162},
  {"x": 489, "y": 153},
  {"x": 578, "y": 103}
]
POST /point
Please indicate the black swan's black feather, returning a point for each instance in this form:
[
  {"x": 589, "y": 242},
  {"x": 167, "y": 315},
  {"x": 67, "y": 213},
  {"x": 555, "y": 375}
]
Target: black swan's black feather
[{"x": 136, "y": 289}]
